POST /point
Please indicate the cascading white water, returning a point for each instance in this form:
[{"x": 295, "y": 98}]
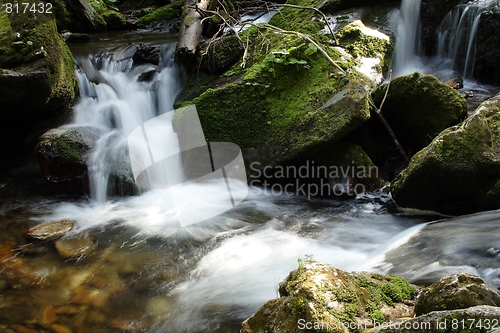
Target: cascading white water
[
  {"x": 114, "y": 101},
  {"x": 457, "y": 34},
  {"x": 407, "y": 51}
]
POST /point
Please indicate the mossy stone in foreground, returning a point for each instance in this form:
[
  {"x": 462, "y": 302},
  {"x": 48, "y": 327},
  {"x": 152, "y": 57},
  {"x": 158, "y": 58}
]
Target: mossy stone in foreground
[
  {"x": 337, "y": 300},
  {"x": 459, "y": 172},
  {"x": 418, "y": 107}
]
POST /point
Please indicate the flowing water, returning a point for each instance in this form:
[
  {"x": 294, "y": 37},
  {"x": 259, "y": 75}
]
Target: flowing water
[{"x": 146, "y": 273}]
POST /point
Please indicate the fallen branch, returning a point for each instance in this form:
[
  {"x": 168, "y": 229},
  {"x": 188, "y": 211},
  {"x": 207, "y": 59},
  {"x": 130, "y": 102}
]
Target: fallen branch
[{"x": 378, "y": 112}]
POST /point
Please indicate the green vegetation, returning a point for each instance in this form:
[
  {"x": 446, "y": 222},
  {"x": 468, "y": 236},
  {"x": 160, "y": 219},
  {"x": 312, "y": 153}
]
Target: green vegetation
[{"x": 167, "y": 12}]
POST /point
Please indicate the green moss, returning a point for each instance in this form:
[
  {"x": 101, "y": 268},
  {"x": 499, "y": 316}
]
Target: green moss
[
  {"x": 114, "y": 20},
  {"x": 276, "y": 99},
  {"x": 296, "y": 19},
  {"x": 167, "y": 12},
  {"x": 299, "y": 305}
]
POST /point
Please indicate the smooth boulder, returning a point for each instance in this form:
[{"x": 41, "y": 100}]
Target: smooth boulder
[
  {"x": 459, "y": 172},
  {"x": 52, "y": 230}
]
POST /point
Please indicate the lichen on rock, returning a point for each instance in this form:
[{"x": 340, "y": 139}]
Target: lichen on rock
[{"x": 333, "y": 299}]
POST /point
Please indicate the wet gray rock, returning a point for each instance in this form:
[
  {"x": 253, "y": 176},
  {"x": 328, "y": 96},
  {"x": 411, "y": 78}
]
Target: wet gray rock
[
  {"x": 457, "y": 291},
  {"x": 50, "y": 230},
  {"x": 483, "y": 317},
  {"x": 146, "y": 54}
]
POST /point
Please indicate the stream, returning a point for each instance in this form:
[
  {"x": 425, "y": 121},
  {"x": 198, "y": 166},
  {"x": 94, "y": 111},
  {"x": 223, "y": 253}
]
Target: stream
[{"x": 148, "y": 274}]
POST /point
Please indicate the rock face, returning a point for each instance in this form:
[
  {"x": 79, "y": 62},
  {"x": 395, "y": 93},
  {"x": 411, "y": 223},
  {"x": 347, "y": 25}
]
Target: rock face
[
  {"x": 487, "y": 61},
  {"x": 459, "y": 171},
  {"x": 37, "y": 79},
  {"x": 482, "y": 318},
  {"x": 337, "y": 300},
  {"x": 62, "y": 154},
  {"x": 50, "y": 230},
  {"x": 418, "y": 107}
]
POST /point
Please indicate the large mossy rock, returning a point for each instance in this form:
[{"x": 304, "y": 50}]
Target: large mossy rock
[
  {"x": 285, "y": 105},
  {"x": 459, "y": 172},
  {"x": 457, "y": 291},
  {"x": 342, "y": 301},
  {"x": 487, "y": 61},
  {"x": 480, "y": 319},
  {"x": 36, "y": 75},
  {"x": 418, "y": 107}
]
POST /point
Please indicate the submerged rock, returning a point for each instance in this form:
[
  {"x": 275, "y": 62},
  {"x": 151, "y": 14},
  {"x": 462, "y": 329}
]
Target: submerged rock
[
  {"x": 338, "y": 301},
  {"x": 459, "y": 171},
  {"x": 457, "y": 291},
  {"x": 52, "y": 230},
  {"x": 418, "y": 107},
  {"x": 75, "y": 247}
]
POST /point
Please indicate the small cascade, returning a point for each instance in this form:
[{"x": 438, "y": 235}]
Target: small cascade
[
  {"x": 408, "y": 46},
  {"x": 116, "y": 97},
  {"x": 457, "y": 36}
]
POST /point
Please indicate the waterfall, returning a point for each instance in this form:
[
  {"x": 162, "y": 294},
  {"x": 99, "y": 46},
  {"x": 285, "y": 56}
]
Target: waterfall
[
  {"x": 457, "y": 35},
  {"x": 406, "y": 54},
  {"x": 116, "y": 97}
]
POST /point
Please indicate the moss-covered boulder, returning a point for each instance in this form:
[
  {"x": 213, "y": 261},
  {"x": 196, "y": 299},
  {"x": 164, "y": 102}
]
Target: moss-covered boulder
[
  {"x": 62, "y": 154},
  {"x": 319, "y": 298},
  {"x": 349, "y": 171},
  {"x": 36, "y": 75},
  {"x": 287, "y": 104},
  {"x": 459, "y": 172},
  {"x": 457, "y": 291},
  {"x": 487, "y": 58},
  {"x": 477, "y": 319},
  {"x": 372, "y": 49},
  {"x": 418, "y": 107}
]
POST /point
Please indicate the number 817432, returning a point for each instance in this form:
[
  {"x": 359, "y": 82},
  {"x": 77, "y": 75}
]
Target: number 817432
[{"x": 26, "y": 8}]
